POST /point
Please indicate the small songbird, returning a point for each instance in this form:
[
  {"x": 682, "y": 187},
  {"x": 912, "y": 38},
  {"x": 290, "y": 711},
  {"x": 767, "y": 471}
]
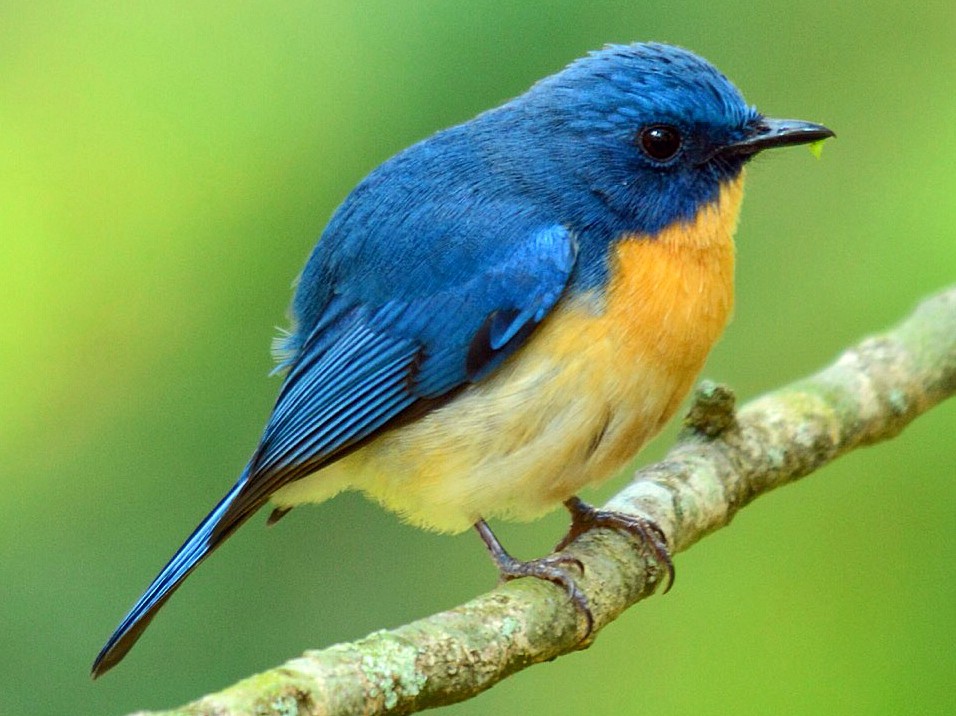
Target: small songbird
[{"x": 508, "y": 310}]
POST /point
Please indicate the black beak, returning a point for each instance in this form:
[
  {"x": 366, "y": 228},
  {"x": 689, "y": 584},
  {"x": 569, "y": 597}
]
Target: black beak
[{"x": 769, "y": 133}]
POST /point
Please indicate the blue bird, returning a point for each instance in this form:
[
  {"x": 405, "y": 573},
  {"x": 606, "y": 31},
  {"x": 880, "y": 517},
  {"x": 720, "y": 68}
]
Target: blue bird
[{"x": 508, "y": 310}]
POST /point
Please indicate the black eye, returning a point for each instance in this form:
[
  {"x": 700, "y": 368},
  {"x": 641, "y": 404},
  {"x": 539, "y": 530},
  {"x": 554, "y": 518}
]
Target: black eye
[{"x": 660, "y": 141}]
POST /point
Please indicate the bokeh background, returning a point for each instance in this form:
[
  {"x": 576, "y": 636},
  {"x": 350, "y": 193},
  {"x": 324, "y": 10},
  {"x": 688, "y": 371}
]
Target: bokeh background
[{"x": 164, "y": 171}]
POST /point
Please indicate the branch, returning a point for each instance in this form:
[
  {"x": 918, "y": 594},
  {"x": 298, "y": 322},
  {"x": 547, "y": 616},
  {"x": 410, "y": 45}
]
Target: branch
[{"x": 721, "y": 462}]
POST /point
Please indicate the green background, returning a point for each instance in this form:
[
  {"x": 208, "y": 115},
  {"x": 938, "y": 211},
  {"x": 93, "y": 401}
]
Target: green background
[{"x": 164, "y": 171}]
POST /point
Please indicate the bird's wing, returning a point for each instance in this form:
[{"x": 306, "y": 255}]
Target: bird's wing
[{"x": 362, "y": 366}]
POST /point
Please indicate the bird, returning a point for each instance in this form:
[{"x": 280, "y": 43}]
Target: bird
[{"x": 507, "y": 311}]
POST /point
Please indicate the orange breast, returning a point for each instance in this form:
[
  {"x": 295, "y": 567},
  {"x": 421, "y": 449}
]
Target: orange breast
[
  {"x": 671, "y": 295},
  {"x": 668, "y": 300}
]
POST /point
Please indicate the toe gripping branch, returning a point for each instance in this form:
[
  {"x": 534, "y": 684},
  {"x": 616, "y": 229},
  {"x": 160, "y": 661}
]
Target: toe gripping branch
[
  {"x": 585, "y": 517},
  {"x": 555, "y": 567}
]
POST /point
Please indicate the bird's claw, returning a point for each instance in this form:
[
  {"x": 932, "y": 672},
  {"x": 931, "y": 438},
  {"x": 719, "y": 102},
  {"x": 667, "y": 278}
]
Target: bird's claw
[
  {"x": 584, "y": 517},
  {"x": 554, "y": 568}
]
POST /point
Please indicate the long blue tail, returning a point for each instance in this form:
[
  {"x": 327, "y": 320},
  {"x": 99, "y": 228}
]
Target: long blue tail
[{"x": 201, "y": 542}]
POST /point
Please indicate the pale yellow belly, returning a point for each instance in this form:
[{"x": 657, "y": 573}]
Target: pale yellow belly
[
  {"x": 513, "y": 447},
  {"x": 597, "y": 380}
]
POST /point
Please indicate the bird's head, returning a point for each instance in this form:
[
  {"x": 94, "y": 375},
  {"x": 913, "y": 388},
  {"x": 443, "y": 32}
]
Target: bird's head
[{"x": 651, "y": 130}]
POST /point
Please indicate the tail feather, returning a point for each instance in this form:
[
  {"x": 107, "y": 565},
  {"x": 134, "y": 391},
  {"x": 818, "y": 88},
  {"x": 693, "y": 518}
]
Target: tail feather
[{"x": 204, "y": 539}]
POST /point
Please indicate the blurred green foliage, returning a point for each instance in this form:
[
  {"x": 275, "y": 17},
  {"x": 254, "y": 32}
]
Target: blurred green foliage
[{"x": 164, "y": 170}]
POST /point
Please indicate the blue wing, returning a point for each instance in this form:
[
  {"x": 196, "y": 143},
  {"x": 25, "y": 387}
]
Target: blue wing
[{"x": 377, "y": 351}]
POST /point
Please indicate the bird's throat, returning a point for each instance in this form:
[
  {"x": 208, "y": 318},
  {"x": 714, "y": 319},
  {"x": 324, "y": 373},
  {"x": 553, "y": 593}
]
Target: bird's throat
[{"x": 672, "y": 293}]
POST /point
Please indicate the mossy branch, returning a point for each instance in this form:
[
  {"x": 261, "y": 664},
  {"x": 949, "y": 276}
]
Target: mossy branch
[{"x": 721, "y": 462}]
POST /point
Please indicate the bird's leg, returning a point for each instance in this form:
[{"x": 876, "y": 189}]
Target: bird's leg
[
  {"x": 584, "y": 517},
  {"x": 552, "y": 568}
]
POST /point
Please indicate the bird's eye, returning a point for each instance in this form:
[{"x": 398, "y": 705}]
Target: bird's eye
[{"x": 660, "y": 141}]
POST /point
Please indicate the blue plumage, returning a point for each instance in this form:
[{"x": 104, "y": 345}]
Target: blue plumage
[
  {"x": 443, "y": 261},
  {"x": 193, "y": 551}
]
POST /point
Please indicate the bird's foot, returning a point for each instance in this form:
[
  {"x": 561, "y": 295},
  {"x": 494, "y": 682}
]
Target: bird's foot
[
  {"x": 585, "y": 517},
  {"x": 554, "y": 568}
]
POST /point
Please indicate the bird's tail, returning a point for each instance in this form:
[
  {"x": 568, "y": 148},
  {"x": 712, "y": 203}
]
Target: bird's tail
[{"x": 205, "y": 538}]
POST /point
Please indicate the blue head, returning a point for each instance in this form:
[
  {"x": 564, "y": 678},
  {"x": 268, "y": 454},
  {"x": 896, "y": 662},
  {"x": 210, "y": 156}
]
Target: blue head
[
  {"x": 641, "y": 134},
  {"x": 640, "y": 126}
]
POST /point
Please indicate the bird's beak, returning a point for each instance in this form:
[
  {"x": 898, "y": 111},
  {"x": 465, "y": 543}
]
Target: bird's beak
[{"x": 769, "y": 133}]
